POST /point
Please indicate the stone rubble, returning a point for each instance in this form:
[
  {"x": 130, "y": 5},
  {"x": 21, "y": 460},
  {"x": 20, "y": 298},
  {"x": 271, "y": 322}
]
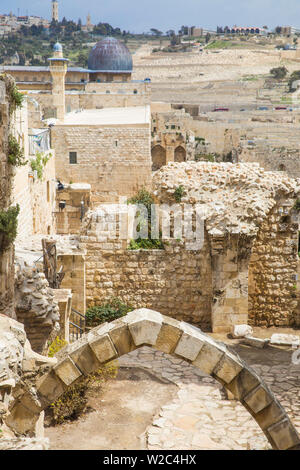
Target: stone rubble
[
  {"x": 233, "y": 198},
  {"x": 35, "y": 305}
]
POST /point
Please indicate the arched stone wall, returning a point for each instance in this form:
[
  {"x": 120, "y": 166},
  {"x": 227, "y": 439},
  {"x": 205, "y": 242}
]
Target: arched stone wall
[
  {"x": 147, "y": 327},
  {"x": 179, "y": 154},
  {"x": 158, "y": 157}
]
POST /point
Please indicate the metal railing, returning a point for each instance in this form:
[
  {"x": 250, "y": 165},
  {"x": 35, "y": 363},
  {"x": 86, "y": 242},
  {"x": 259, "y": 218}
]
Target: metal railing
[{"x": 76, "y": 325}]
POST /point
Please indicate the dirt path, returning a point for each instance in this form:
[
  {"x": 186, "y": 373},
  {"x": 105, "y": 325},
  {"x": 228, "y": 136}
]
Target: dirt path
[{"x": 123, "y": 410}]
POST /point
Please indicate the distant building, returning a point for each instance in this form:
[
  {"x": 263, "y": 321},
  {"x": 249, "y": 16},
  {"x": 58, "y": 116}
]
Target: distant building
[
  {"x": 89, "y": 26},
  {"x": 288, "y": 30},
  {"x": 54, "y": 10},
  {"x": 241, "y": 30},
  {"x": 194, "y": 31}
]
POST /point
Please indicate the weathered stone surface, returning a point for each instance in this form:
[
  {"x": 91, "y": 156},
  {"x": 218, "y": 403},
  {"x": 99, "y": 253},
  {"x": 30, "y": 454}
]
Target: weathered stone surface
[
  {"x": 256, "y": 342},
  {"x": 284, "y": 435},
  {"x": 121, "y": 338},
  {"x": 50, "y": 387},
  {"x": 285, "y": 340},
  {"x": 208, "y": 358},
  {"x": 24, "y": 443},
  {"x": 144, "y": 326},
  {"x": 169, "y": 335},
  {"x": 273, "y": 413},
  {"x": 67, "y": 371},
  {"x": 103, "y": 348},
  {"x": 21, "y": 420},
  {"x": 258, "y": 399},
  {"x": 240, "y": 331},
  {"x": 84, "y": 359},
  {"x": 228, "y": 368},
  {"x": 190, "y": 342},
  {"x": 243, "y": 383}
]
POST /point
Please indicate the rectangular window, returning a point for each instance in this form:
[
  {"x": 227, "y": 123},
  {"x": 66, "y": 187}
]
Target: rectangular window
[{"x": 73, "y": 158}]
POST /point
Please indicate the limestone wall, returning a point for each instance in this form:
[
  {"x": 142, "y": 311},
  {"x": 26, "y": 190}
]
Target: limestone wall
[
  {"x": 36, "y": 198},
  {"x": 6, "y": 175},
  {"x": 77, "y": 198},
  {"x": 273, "y": 269},
  {"x": 172, "y": 280},
  {"x": 114, "y": 160}
]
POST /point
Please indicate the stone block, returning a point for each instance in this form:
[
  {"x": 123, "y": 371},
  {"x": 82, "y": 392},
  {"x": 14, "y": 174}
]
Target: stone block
[
  {"x": 169, "y": 335},
  {"x": 240, "y": 331},
  {"x": 22, "y": 420},
  {"x": 243, "y": 383},
  {"x": 284, "y": 435},
  {"x": 270, "y": 415},
  {"x": 144, "y": 326},
  {"x": 285, "y": 340},
  {"x": 67, "y": 371},
  {"x": 258, "y": 399},
  {"x": 228, "y": 368},
  {"x": 103, "y": 349},
  {"x": 122, "y": 339},
  {"x": 256, "y": 342},
  {"x": 31, "y": 403},
  {"x": 84, "y": 358},
  {"x": 208, "y": 358},
  {"x": 190, "y": 345},
  {"x": 50, "y": 387}
]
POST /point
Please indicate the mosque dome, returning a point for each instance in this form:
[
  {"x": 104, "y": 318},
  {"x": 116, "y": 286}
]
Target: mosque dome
[
  {"x": 110, "y": 55},
  {"x": 57, "y": 47}
]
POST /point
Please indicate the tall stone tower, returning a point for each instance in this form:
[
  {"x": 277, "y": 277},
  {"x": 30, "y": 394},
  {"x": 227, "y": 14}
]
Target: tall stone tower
[
  {"x": 54, "y": 10},
  {"x": 58, "y": 70}
]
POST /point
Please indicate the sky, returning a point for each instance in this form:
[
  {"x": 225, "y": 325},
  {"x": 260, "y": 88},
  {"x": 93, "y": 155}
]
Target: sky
[{"x": 139, "y": 16}]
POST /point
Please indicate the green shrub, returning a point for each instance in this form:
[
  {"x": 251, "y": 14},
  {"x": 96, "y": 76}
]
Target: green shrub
[
  {"x": 178, "y": 193},
  {"x": 8, "y": 226},
  {"x": 111, "y": 310},
  {"x": 279, "y": 72},
  {"x": 15, "y": 153},
  {"x": 146, "y": 244},
  {"x": 39, "y": 162}
]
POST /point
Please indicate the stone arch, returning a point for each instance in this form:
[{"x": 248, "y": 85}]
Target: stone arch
[
  {"x": 179, "y": 154},
  {"x": 158, "y": 157},
  {"x": 145, "y": 327}
]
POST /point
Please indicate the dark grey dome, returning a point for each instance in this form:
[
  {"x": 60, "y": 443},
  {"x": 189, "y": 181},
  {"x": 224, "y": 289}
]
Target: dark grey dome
[{"x": 110, "y": 55}]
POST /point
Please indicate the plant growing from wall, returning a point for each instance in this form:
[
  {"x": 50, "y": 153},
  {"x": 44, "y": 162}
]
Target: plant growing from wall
[
  {"x": 178, "y": 193},
  {"x": 145, "y": 198},
  {"x": 110, "y": 310},
  {"x": 8, "y": 226},
  {"x": 39, "y": 162},
  {"x": 15, "y": 153},
  {"x": 297, "y": 205},
  {"x": 56, "y": 345},
  {"x": 15, "y": 97}
]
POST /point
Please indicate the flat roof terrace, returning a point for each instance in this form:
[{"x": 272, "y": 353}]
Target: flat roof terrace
[{"x": 108, "y": 116}]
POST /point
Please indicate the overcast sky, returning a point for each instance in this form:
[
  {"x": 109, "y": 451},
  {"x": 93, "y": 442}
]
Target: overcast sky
[{"x": 141, "y": 15}]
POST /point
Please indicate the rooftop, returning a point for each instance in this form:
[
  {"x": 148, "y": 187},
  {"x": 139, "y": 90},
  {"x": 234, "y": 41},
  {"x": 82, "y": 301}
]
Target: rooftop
[{"x": 109, "y": 116}]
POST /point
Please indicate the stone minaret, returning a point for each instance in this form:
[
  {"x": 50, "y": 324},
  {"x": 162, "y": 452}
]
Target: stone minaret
[
  {"x": 58, "y": 69},
  {"x": 54, "y": 10}
]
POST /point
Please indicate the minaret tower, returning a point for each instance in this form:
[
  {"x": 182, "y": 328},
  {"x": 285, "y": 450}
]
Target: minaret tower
[
  {"x": 58, "y": 70},
  {"x": 54, "y": 10}
]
